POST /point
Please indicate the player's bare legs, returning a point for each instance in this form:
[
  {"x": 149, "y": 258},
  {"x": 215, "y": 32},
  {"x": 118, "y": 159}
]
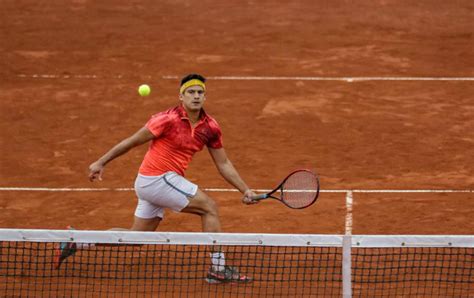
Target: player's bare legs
[
  {"x": 202, "y": 205},
  {"x": 145, "y": 224},
  {"x": 142, "y": 225}
]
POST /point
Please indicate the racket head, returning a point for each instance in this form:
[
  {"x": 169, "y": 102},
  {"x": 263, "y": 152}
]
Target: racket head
[{"x": 300, "y": 189}]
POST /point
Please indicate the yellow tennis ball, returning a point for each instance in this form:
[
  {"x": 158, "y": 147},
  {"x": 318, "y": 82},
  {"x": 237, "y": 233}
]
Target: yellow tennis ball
[{"x": 144, "y": 90}]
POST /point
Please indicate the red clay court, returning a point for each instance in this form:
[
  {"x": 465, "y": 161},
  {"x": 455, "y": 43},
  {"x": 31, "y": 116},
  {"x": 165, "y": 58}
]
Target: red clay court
[
  {"x": 374, "y": 95},
  {"x": 70, "y": 73}
]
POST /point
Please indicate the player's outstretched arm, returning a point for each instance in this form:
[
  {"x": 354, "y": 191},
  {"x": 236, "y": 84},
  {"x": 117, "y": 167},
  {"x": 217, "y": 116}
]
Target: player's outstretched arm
[
  {"x": 230, "y": 174},
  {"x": 142, "y": 136}
]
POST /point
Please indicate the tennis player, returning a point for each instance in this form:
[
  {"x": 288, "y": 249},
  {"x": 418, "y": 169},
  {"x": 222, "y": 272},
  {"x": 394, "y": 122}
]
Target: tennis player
[{"x": 175, "y": 135}]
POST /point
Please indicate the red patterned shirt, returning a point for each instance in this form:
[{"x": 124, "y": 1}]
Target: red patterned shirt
[{"x": 176, "y": 141}]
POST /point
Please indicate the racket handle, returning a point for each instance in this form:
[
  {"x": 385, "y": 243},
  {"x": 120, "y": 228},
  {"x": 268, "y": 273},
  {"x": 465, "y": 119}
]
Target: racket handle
[{"x": 259, "y": 197}]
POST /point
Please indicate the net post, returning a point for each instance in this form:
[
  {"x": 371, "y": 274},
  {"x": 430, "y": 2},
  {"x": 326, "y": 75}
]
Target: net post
[{"x": 346, "y": 266}]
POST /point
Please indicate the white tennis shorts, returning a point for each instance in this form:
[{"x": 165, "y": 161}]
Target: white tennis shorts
[{"x": 155, "y": 193}]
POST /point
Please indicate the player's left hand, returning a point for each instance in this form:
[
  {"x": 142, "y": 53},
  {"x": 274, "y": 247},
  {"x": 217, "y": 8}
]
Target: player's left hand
[{"x": 247, "y": 198}]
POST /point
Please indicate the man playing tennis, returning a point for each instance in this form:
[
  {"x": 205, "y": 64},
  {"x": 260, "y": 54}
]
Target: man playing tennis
[{"x": 175, "y": 135}]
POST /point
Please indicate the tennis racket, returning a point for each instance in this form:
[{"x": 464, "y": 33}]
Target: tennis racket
[{"x": 298, "y": 190}]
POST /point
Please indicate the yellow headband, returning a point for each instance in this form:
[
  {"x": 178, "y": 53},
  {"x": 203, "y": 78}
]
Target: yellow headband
[{"x": 193, "y": 82}]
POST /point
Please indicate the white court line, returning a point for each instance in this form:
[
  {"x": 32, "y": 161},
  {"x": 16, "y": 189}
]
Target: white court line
[
  {"x": 251, "y": 78},
  {"x": 78, "y": 189},
  {"x": 349, "y": 200},
  {"x": 347, "y": 79}
]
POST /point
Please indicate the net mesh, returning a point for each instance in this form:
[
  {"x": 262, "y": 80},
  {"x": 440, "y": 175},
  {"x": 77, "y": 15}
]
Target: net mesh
[
  {"x": 413, "y": 272},
  {"x": 290, "y": 266},
  {"x": 170, "y": 270}
]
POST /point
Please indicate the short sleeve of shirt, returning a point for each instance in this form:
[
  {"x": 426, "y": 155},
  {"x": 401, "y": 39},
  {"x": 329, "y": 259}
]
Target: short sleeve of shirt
[
  {"x": 158, "y": 124},
  {"x": 215, "y": 141}
]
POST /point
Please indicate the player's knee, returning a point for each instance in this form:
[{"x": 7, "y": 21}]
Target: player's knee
[
  {"x": 144, "y": 224},
  {"x": 202, "y": 204},
  {"x": 211, "y": 207},
  {"x": 208, "y": 205}
]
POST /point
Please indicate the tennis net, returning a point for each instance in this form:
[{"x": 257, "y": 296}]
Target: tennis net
[{"x": 141, "y": 264}]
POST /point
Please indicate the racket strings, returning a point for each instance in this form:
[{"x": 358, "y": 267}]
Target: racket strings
[{"x": 300, "y": 189}]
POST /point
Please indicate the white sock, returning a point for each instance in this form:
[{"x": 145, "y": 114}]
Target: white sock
[
  {"x": 84, "y": 245},
  {"x": 218, "y": 261}
]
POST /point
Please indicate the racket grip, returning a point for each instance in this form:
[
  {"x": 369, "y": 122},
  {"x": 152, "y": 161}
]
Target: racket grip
[{"x": 259, "y": 197}]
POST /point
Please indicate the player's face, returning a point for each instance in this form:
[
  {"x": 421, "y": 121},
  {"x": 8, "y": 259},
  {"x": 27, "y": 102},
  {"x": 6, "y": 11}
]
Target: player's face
[{"x": 193, "y": 98}]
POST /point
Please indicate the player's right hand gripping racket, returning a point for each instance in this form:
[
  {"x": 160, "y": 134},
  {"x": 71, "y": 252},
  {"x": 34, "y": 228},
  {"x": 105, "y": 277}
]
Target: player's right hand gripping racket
[{"x": 298, "y": 190}]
